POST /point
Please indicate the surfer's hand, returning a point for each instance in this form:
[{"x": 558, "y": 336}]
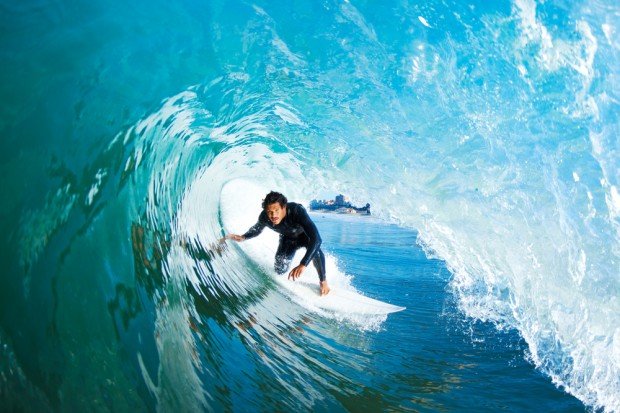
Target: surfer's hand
[
  {"x": 296, "y": 272},
  {"x": 324, "y": 288},
  {"x": 235, "y": 237}
]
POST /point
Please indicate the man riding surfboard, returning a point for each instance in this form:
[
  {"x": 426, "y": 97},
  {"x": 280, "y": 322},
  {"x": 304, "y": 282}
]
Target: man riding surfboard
[{"x": 296, "y": 229}]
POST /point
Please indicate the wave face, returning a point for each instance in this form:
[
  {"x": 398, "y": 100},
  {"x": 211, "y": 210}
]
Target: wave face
[{"x": 491, "y": 129}]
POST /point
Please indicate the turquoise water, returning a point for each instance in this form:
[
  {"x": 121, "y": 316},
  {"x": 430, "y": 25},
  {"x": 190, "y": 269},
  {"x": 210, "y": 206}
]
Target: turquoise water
[
  {"x": 429, "y": 358},
  {"x": 484, "y": 133}
]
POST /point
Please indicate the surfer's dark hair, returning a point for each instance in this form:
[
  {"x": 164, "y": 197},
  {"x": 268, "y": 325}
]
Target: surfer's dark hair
[{"x": 273, "y": 197}]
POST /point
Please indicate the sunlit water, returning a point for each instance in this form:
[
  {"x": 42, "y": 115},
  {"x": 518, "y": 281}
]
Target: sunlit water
[{"x": 484, "y": 134}]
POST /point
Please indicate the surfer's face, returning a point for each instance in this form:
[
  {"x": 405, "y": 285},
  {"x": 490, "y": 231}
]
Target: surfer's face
[{"x": 275, "y": 213}]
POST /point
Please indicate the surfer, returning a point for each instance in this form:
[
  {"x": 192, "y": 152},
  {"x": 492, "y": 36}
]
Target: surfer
[{"x": 296, "y": 230}]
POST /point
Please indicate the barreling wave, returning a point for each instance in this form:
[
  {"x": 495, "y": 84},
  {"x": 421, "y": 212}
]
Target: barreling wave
[{"x": 497, "y": 142}]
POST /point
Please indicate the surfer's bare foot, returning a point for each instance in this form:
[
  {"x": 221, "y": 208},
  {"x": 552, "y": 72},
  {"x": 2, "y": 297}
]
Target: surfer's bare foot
[{"x": 324, "y": 288}]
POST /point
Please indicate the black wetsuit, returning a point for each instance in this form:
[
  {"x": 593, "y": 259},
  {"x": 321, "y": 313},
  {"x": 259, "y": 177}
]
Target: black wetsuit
[{"x": 296, "y": 230}]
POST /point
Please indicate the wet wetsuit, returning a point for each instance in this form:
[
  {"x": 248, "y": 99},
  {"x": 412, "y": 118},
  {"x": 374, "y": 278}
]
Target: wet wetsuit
[{"x": 296, "y": 230}]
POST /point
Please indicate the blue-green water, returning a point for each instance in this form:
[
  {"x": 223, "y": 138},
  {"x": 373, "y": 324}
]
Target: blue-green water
[
  {"x": 428, "y": 358},
  {"x": 484, "y": 133}
]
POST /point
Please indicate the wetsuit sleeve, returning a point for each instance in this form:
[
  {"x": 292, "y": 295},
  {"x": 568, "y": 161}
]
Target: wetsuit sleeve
[
  {"x": 312, "y": 232},
  {"x": 256, "y": 228}
]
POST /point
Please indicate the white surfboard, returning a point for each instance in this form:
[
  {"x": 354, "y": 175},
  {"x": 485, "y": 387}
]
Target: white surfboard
[
  {"x": 338, "y": 300},
  {"x": 342, "y": 299}
]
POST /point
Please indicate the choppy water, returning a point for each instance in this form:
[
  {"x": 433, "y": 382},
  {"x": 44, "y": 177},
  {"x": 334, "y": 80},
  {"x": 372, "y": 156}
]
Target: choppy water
[{"x": 491, "y": 129}]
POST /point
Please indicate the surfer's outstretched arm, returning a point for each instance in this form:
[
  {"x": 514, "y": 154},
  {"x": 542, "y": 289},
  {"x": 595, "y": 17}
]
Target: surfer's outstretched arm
[{"x": 252, "y": 232}]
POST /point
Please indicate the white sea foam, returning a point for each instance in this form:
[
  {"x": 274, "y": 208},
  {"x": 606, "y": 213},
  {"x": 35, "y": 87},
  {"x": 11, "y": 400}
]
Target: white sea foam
[
  {"x": 423, "y": 21},
  {"x": 555, "y": 53},
  {"x": 287, "y": 115},
  {"x": 94, "y": 189}
]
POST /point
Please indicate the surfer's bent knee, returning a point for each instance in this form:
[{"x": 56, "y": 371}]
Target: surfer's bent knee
[{"x": 281, "y": 266}]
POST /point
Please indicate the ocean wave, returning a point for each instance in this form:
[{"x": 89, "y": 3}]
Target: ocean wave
[
  {"x": 491, "y": 130},
  {"x": 517, "y": 243}
]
